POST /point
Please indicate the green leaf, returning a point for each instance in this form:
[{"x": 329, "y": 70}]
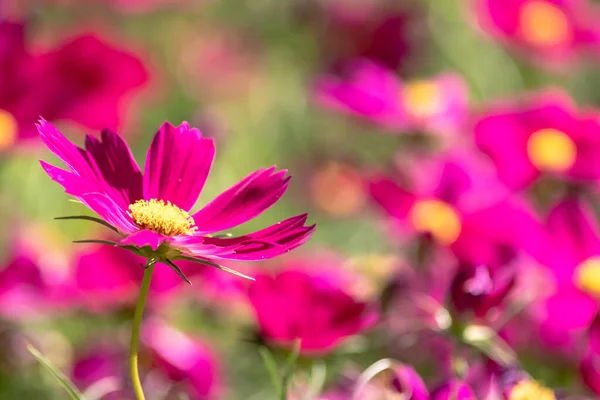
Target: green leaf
[
  {"x": 178, "y": 271},
  {"x": 271, "y": 366},
  {"x": 96, "y": 241},
  {"x": 74, "y": 393},
  {"x": 206, "y": 262},
  {"x": 89, "y": 218}
]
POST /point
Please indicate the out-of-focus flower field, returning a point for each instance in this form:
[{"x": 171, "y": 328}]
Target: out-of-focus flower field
[{"x": 448, "y": 152}]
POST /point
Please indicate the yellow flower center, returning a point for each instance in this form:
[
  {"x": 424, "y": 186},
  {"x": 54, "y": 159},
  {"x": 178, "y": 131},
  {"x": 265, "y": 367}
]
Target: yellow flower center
[
  {"x": 9, "y": 129},
  {"x": 161, "y": 217},
  {"x": 421, "y": 98},
  {"x": 531, "y": 390},
  {"x": 587, "y": 276},
  {"x": 551, "y": 150},
  {"x": 544, "y": 24},
  {"x": 437, "y": 218}
]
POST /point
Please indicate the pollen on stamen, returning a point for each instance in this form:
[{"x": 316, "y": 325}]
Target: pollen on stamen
[{"x": 161, "y": 217}]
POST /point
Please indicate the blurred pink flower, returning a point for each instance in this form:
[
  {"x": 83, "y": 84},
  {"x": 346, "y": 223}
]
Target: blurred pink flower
[
  {"x": 183, "y": 359},
  {"x": 184, "y": 363},
  {"x": 543, "y": 135},
  {"x": 456, "y": 201},
  {"x": 438, "y": 105},
  {"x": 150, "y": 212},
  {"x": 573, "y": 256},
  {"x": 85, "y": 80},
  {"x": 91, "y": 83},
  {"x": 35, "y": 280},
  {"x": 549, "y": 30},
  {"x": 308, "y": 305}
]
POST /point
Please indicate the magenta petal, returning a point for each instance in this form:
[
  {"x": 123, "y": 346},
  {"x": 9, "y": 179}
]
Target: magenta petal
[
  {"x": 571, "y": 309},
  {"x": 264, "y": 244},
  {"x": 144, "y": 238},
  {"x": 574, "y": 230},
  {"x": 100, "y": 203},
  {"x": 391, "y": 197},
  {"x": 115, "y": 162},
  {"x": 590, "y": 371},
  {"x": 177, "y": 165},
  {"x": 243, "y": 201},
  {"x": 68, "y": 153}
]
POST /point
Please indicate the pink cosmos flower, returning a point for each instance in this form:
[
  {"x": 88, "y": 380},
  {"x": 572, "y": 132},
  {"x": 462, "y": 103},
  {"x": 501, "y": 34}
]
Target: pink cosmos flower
[
  {"x": 456, "y": 201},
  {"x": 372, "y": 92},
  {"x": 85, "y": 80},
  {"x": 310, "y": 306},
  {"x": 550, "y": 30},
  {"x": 150, "y": 211},
  {"x": 544, "y": 135}
]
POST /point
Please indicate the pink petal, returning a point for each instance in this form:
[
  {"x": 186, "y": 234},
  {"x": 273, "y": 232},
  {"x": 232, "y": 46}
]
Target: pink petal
[
  {"x": 245, "y": 200},
  {"x": 574, "y": 230},
  {"x": 177, "y": 165},
  {"x": 571, "y": 309},
  {"x": 264, "y": 244},
  {"x": 504, "y": 139},
  {"x": 116, "y": 164},
  {"x": 68, "y": 153},
  {"x": 100, "y": 203},
  {"x": 391, "y": 197},
  {"x": 144, "y": 238}
]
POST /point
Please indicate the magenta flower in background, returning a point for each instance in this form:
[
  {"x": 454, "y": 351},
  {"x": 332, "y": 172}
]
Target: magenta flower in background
[
  {"x": 573, "y": 256},
  {"x": 544, "y": 135},
  {"x": 92, "y": 81},
  {"x": 35, "y": 280},
  {"x": 150, "y": 211},
  {"x": 308, "y": 305},
  {"x": 457, "y": 202},
  {"x": 85, "y": 80},
  {"x": 183, "y": 359},
  {"x": 549, "y": 30},
  {"x": 100, "y": 371},
  {"x": 370, "y": 91}
]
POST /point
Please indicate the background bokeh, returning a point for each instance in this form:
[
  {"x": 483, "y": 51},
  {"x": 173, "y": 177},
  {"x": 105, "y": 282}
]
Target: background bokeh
[{"x": 272, "y": 82}]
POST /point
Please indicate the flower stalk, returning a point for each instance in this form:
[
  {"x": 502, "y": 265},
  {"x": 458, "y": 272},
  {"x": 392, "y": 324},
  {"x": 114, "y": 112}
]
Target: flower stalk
[{"x": 135, "y": 331}]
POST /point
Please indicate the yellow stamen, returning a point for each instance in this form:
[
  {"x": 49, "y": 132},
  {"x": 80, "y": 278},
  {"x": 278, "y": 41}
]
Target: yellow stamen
[
  {"x": 587, "y": 276},
  {"x": 422, "y": 98},
  {"x": 161, "y": 217},
  {"x": 437, "y": 218},
  {"x": 531, "y": 390},
  {"x": 9, "y": 129},
  {"x": 544, "y": 24},
  {"x": 551, "y": 150}
]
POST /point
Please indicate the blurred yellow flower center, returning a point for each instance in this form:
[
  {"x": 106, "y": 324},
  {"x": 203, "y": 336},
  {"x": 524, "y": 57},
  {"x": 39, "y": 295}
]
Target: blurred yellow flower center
[
  {"x": 161, "y": 217},
  {"x": 587, "y": 276},
  {"x": 544, "y": 24},
  {"x": 531, "y": 390},
  {"x": 421, "y": 98},
  {"x": 437, "y": 218},
  {"x": 8, "y": 129},
  {"x": 551, "y": 149}
]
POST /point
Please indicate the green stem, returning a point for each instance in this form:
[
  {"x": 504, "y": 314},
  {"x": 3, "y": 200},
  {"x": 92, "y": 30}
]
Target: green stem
[{"x": 135, "y": 331}]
